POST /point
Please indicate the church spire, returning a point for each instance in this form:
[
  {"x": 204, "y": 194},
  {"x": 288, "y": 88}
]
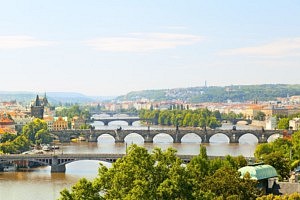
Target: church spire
[{"x": 37, "y": 101}]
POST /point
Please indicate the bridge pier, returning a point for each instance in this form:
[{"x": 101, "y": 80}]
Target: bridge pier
[
  {"x": 93, "y": 138},
  {"x": 1, "y": 168},
  {"x": 56, "y": 167},
  {"x": 262, "y": 139}
]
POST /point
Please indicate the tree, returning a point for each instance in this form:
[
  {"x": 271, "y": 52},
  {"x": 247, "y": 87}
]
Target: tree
[
  {"x": 31, "y": 129},
  {"x": 296, "y": 145},
  {"x": 226, "y": 182},
  {"x": 162, "y": 175},
  {"x": 83, "y": 189},
  {"x": 260, "y": 116},
  {"x": 283, "y": 123},
  {"x": 7, "y": 137},
  {"x": 43, "y": 137},
  {"x": 279, "y": 162}
]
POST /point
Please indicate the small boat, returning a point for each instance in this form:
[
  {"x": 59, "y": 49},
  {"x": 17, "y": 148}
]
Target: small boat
[
  {"x": 46, "y": 148},
  {"x": 54, "y": 147},
  {"x": 80, "y": 138}
]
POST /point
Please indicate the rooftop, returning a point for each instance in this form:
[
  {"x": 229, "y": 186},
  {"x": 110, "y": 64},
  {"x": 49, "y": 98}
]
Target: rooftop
[{"x": 259, "y": 172}]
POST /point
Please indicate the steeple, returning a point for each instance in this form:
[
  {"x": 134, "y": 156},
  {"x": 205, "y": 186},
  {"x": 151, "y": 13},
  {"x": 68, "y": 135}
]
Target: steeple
[
  {"x": 45, "y": 100},
  {"x": 37, "y": 109},
  {"x": 37, "y": 101}
]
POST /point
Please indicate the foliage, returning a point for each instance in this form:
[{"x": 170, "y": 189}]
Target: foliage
[
  {"x": 260, "y": 116},
  {"x": 34, "y": 132},
  {"x": 6, "y": 137},
  {"x": 18, "y": 145},
  {"x": 73, "y": 111},
  {"x": 187, "y": 118},
  {"x": 162, "y": 175},
  {"x": 276, "y": 154},
  {"x": 296, "y": 145},
  {"x": 226, "y": 182},
  {"x": 279, "y": 162},
  {"x": 294, "y": 196},
  {"x": 235, "y": 93},
  {"x": 283, "y": 123},
  {"x": 31, "y": 129},
  {"x": 83, "y": 189}
]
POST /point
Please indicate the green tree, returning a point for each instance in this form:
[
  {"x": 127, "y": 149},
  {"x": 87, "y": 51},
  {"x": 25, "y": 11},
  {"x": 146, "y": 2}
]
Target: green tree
[
  {"x": 31, "y": 129},
  {"x": 296, "y": 145},
  {"x": 260, "y": 116},
  {"x": 7, "y": 137},
  {"x": 283, "y": 123},
  {"x": 226, "y": 182},
  {"x": 43, "y": 137},
  {"x": 83, "y": 189},
  {"x": 279, "y": 162}
]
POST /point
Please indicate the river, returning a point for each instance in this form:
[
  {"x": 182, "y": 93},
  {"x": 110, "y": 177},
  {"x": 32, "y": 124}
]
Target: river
[{"x": 40, "y": 184}]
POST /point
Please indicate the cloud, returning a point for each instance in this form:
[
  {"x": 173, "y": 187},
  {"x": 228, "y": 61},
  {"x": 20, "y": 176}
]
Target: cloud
[
  {"x": 22, "y": 41},
  {"x": 279, "y": 48},
  {"x": 142, "y": 42}
]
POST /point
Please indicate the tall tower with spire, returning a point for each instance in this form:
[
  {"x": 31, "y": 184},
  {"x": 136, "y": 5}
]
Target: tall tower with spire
[{"x": 37, "y": 108}]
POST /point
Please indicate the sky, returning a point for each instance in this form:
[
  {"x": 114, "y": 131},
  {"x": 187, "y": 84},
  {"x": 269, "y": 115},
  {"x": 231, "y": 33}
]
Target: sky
[{"x": 112, "y": 47}]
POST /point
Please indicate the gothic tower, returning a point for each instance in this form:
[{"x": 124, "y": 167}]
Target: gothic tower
[{"x": 37, "y": 108}]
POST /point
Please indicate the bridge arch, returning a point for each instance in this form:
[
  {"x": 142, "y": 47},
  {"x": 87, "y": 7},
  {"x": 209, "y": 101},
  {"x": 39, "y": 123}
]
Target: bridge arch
[
  {"x": 134, "y": 138},
  {"x": 273, "y": 137},
  {"x": 220, "y": 137},
  {"x": 106, "y": 138},
  {"x": 191, "y": 138},
  {"x": 163, "y": 138},
  {"x": 247, "y": 138},
  {"x": 117, "y": 122}
]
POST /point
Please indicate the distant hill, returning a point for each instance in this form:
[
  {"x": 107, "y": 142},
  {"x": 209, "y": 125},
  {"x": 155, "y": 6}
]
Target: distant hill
[
  {"x": 53, "y": 97},
  {"x": 235, "y": 93}
]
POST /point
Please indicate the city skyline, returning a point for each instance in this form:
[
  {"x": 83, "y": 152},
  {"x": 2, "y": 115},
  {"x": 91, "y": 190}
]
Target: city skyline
[{"x": 109, "y": 48}]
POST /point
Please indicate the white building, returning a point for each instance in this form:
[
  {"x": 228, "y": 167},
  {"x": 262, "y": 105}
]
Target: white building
[
  {"x": 295, "y": 123},
  {"x": 271, "y": 123}
]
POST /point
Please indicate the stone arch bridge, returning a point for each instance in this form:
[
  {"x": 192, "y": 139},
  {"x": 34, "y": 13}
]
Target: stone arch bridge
[
  {"x": 148, "y": 135},
  {"x": 129, "y": 120}
]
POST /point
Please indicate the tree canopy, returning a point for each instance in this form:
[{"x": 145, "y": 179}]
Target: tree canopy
[{"x": 163, "y": 175}]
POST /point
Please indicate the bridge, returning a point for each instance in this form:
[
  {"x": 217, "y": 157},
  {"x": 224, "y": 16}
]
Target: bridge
[
  {"x": 58, "y": 162},
  {"x": 235, "y": 121},
  {"x": 106, "y": 120},
  {"x": 177, "y": 134}
]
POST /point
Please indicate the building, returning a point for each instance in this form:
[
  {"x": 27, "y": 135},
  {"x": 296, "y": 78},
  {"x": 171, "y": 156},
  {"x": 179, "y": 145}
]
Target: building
[
  {"x": 271, "y": 123},
  {"x": 77, "y": 122},
  {"x": 7, "y": 125},
  {"x": 21, "y": 120},
  {"x": 49, "y": 120},
  {"x": 266, "y": 175},
  {"x": 37, "y": 108},
  {"x": 60, "y": 123},
  {"x": 294, "y": 124}
]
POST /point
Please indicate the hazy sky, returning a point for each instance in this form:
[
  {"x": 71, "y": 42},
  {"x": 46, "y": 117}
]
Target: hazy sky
[{"x": 111, "y": 47}]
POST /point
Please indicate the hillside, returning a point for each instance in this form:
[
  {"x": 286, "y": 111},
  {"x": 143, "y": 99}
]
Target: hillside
[
  {"x": 53, "y": 97},
  {"x": 235, "y": 93}
]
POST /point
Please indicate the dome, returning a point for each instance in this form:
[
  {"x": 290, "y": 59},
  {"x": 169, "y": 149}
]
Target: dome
[{"x": 259, "y": 172}]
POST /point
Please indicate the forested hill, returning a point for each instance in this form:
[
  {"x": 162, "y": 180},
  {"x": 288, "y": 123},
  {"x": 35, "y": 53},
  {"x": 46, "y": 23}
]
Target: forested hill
[{"x": 235, "y": 93}]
